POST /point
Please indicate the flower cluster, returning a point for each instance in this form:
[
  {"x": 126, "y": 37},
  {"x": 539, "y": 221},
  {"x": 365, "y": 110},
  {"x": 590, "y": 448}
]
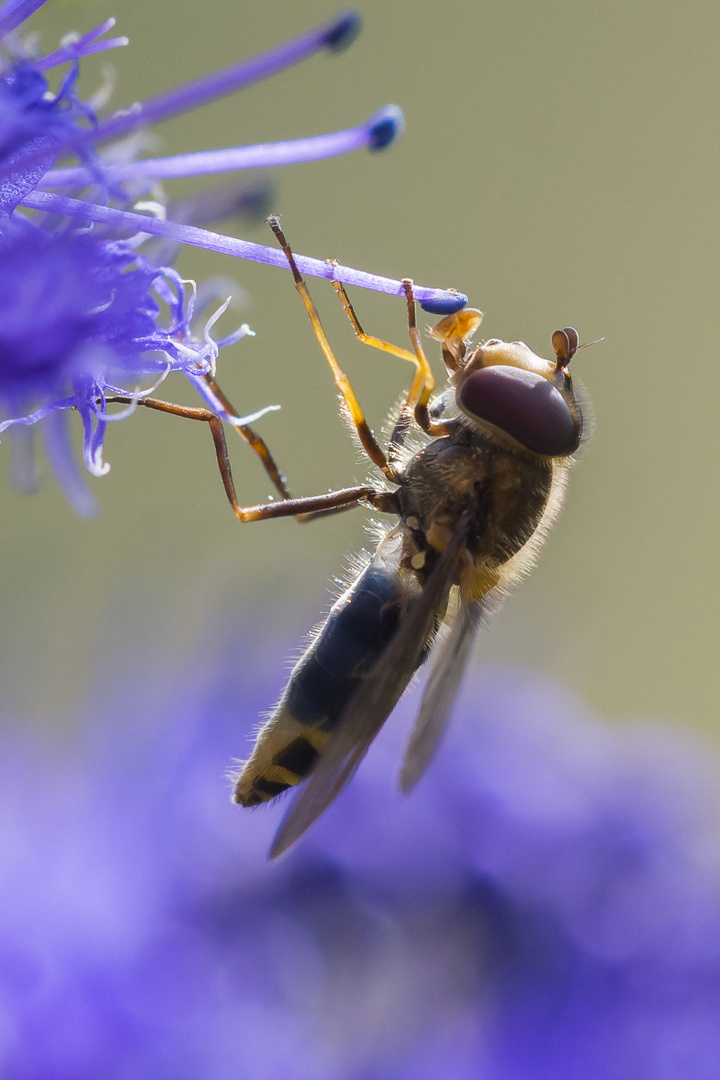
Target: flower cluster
[
  {"x": 546, "y": 907},
  {"x": 69, "y": 345}
]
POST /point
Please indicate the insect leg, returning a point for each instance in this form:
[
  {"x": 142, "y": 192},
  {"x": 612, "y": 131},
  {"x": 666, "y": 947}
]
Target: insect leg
[
  {"x": 305, "y": 508},
  {"x": 309, "y": 507},
  {"x": 216, "y": 428},
  {"x": 387, "y": 502},
  {"x": 369, "y": 442},
  {"x": 368, "y": 339},
  {"x": 424, "y": 382},
  {"x": 246, "y": 433},
  {"x": 403, "y": 422},
  {"x": 254, "y": 441}
]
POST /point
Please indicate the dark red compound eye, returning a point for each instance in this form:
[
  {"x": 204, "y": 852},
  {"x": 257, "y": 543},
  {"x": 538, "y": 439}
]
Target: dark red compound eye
[{"x": 524, "y": 405}]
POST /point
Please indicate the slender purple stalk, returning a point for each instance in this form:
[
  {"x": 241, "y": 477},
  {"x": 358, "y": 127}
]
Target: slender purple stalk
[
  {"x": 336, "y": 34},
  {"x": 84, "y": 46},
  {"x": 380, "y": 129},
  {"x": 14, "y": 12},
  {"x": 435, "y": 301}
]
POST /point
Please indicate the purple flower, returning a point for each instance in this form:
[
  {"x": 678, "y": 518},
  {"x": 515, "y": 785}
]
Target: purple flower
[
  {"x": 64, "y": 345},
  {"x": 546, "y": 905}
]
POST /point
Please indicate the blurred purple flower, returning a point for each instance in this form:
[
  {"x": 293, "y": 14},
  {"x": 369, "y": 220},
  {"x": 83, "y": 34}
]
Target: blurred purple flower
[
  {"x": 547, "y": 905},
  {"x": 83, "y": 313}
]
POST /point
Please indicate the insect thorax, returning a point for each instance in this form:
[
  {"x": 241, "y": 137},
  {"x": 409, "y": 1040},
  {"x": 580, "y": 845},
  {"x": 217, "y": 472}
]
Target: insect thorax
[{"x": 504, "y": 492}]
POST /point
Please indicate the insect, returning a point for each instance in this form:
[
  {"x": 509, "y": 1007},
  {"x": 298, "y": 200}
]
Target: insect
[{"x": 472, "y": 505}]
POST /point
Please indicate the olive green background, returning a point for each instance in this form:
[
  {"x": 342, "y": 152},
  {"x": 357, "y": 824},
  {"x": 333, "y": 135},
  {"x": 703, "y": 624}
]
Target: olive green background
[{"x": 560, "y": 165}]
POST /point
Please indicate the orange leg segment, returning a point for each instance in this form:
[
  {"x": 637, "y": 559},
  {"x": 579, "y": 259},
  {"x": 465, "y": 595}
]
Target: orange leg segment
[{"x": 369, "y": 442}]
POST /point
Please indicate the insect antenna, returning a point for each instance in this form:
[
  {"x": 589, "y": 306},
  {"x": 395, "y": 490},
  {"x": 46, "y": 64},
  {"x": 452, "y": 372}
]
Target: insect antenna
[
  {"x": 566, "y": 344},
  {"x": 589, "y": 343}
]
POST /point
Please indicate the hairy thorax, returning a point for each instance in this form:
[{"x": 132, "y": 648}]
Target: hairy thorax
[{"x": 504, "y": 492}]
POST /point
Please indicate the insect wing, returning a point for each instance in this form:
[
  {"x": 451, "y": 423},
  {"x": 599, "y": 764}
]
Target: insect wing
[
  {"x": 447, "y": 671},
  {"x": 371, "y": 704}
]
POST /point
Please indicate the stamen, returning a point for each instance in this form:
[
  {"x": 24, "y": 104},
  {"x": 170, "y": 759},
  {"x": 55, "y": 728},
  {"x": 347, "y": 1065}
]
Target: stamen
[
  {"x": 242, "y": 331},
  {"x": 74, "y": 47},
  {"x": 39, "y": 414},
  {"x": 334, "y": 35},
  {"x": 435, "y": 301},
  {"x": 379, "y": 131},
  {"x": 14, "y": 12}
]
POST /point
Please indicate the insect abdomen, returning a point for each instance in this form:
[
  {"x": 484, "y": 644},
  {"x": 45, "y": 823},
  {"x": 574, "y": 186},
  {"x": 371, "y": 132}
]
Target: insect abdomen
[{"x": 351, "y": 640}]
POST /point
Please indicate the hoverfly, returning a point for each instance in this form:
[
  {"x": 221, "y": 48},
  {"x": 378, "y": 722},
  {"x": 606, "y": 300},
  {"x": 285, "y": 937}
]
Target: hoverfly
[{"x": 472, "y": 504}]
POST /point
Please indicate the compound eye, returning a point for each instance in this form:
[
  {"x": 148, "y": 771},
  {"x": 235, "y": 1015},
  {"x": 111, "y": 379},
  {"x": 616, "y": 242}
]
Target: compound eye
[{"x": 524, "y": 405}]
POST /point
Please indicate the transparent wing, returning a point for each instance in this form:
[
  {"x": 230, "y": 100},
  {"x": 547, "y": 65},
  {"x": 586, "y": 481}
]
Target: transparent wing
[
  {"x": 371, "y": 704},
  {"x": 447, "y": 671}
]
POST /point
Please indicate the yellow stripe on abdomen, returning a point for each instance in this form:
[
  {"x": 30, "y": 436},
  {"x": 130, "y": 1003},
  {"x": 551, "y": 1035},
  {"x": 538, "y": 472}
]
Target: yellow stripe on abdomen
[{"x": 285, "y": 753}]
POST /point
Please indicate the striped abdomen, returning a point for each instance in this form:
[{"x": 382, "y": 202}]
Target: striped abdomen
[{"x": 352, "y": 639}]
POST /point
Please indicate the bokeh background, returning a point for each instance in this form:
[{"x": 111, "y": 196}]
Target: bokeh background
[{"x": 560, "y": 166}]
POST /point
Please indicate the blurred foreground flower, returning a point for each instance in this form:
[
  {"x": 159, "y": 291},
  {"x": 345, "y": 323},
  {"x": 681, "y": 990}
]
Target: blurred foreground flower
[
  {"x": 83, "y": 314},
  {"x": 545, "y": 907}
]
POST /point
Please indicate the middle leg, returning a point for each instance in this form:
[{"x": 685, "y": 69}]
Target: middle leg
[
  {"x": 254, "y": 441},
  {"x": 423, "y": 381}
]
